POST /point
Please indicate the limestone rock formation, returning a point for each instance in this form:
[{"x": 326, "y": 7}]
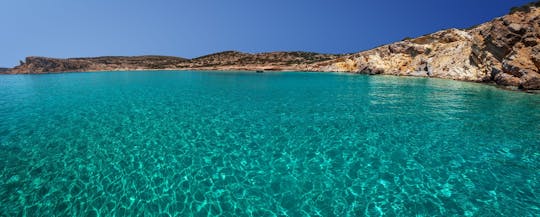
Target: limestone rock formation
[{"x": 504, "y": 50}]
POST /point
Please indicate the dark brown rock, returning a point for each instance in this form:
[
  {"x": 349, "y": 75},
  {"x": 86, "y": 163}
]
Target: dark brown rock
[
  {"x": 506, "y": 80},
  {"x": 511, "y": 68},
  {"x": 530, "y": 81},
  {"x": 535, "y": 57},
  {"x": 530, "y": 41}
]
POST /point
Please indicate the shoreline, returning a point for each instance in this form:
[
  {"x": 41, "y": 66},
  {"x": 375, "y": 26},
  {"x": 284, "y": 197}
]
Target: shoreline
[
  {"x": 488, "y": 83},
  {"x": 504, "y": 51}
]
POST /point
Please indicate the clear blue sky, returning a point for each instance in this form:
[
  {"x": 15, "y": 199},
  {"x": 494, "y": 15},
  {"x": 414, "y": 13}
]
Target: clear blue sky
[{"x": 190, "y": 28}]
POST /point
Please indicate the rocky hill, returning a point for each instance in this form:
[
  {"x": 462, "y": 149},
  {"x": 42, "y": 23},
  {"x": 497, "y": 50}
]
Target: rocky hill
[
  {"x": 504, "y": 51},
  {"x": 3, "y": 70},
  {"x": 46, "y": 65},
  {"x": 278, "y": 61},
  {"x": 228, "y": 60}
]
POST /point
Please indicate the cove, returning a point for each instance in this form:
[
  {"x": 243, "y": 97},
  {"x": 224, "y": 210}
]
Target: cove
[{"x": 180, "y": 143}]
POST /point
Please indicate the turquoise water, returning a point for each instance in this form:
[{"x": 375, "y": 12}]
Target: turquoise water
[{"x": 169, "y": 143}]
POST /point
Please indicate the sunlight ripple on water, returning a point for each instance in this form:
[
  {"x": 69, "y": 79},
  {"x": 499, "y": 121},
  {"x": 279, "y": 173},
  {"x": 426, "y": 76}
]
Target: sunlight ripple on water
[{"x": 272, "y": 144}]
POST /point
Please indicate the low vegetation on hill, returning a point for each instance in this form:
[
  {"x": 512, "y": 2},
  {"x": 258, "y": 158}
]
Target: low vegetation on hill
[
  {"x": 504, "y": 51},
  {"x": 525, "y": 8}
]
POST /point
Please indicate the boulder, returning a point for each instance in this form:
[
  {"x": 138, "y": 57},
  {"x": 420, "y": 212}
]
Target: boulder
[
  {"x": 517, "y": 28},
  {"x": 506, "y": 80},
  {"x": 530, "y": 81}
]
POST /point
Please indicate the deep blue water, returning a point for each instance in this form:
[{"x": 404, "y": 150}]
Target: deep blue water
[{"x": 167, "y": 143}]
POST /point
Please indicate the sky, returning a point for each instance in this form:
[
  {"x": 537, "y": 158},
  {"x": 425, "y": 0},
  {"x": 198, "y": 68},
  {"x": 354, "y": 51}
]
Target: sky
[{"x": 191, "y": 28}]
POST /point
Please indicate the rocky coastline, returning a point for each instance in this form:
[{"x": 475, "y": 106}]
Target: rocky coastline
[{"x": 504, "y": 51}]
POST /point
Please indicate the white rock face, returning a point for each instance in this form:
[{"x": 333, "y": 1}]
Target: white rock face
[
  {"x": 504, "y": 51},
  {"x": 445, "y": 54}
]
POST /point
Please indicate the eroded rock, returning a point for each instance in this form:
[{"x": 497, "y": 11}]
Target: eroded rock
[{"x": 504, "y": 50}]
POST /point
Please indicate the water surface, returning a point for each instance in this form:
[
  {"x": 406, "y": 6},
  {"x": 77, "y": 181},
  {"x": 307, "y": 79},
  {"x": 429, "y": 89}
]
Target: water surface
[{"x": 275, "y": 144}]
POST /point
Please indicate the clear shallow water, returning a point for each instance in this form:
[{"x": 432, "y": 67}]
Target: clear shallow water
[{"x": 272, "y": 144}]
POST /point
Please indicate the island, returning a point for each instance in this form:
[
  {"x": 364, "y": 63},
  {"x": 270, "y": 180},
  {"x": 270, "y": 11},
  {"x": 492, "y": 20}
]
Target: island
[{"x": 504, "y": 51}]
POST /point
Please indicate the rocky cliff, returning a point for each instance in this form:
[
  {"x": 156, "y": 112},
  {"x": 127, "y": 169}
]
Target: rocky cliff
[{"x": 504, "y": 51}]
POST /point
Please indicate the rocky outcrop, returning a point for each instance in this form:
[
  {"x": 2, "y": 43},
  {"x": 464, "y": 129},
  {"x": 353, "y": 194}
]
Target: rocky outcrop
[
  {"x": 271, "y": 61},
  {"x": 505, "y": 51},
  {"x": 446, "y": 54},
  {"x": 46, "y": 65},
  {"x": 3, "y": 70},
  {"x": 228, "y": 60}
]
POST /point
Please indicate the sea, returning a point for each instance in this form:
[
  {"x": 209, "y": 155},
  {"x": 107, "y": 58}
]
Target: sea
[{"x": 203, "y": 143}]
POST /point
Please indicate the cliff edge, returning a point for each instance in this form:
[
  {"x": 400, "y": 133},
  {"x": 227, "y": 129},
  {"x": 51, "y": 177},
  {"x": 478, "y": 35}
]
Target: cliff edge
[{"x": 505, "y": 51}]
